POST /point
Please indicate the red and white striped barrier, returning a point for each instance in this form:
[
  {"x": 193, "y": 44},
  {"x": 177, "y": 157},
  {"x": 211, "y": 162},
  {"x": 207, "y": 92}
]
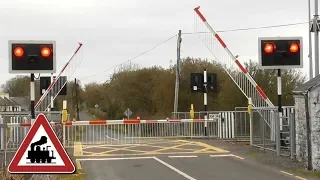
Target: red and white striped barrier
[{"x": 107, "y": 122}]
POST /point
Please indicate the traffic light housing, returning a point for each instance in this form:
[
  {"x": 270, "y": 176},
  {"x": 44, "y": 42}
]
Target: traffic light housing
[
  {"x": 46, "y": 81},
  {"x": 32, "y": 56},
  {"x": 280, "y": 52},
  {"x": 197, "y": 84},
  {"x": 212, "y": 82}
]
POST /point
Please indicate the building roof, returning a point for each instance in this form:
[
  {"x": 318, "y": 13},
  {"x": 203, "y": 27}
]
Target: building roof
[
  {"x": 8, "y": 102},
  {"x": 22, "y": 101},
  {"x": 2, "y": 102},
  {"x": 309, "y": 85}
]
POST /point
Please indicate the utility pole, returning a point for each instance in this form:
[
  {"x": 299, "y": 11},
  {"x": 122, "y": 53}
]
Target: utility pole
[
  {"x": 176, "y": 91},
  {"x": 316, "y": 38},
  {"x": 76, "y": 97},
  {"x": 310, "y": 42}
]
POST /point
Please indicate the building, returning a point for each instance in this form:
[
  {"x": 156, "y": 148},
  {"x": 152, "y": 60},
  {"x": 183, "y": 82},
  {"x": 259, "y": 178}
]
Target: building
[
  {"x": 8, "y": 105},
  {"x": 307, "y": 107},
  {"x": 24, "y": 102}
]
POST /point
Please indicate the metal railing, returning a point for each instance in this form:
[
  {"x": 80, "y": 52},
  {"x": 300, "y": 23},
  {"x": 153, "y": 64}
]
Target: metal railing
[
  {"x": 116, "y": 132},
  {"x": 11, "y": 131},
  {"x": 236, "y": 125},
  {"x": 232, "y": 125},
  {"x": 273, "y": 133}
]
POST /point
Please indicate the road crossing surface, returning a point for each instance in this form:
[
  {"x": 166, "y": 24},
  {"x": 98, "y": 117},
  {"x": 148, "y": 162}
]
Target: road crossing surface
[
  {"x": 168, "y": 159},
  {"x": 192, "y": 167}
]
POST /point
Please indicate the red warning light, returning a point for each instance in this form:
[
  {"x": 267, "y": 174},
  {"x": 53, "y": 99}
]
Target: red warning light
[
  {"x": 18, "y": 51},
  {"x": 269, "y": 48},
  {"x": 45, "y": 52},
  {"x": 294, "y": 47}
]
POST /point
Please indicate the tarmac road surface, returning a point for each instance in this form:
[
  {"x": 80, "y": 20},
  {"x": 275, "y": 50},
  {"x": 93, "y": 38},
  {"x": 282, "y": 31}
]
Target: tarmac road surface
[{"x": 192, "y": 167}]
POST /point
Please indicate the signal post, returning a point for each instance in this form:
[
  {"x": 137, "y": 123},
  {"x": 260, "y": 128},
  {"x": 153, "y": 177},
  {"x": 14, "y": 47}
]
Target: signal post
[
  {"x": 280, "y": 53},
  {"x": 205, "y": 83},
  {"x": 32, "y": 57}
]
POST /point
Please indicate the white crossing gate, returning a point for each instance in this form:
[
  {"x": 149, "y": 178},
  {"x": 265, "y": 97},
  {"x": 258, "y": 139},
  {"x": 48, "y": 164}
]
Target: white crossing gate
[{"x": 58, "y": 83}]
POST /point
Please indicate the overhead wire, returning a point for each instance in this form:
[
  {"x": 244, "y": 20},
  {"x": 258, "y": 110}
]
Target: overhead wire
[
  {"x": 190, "y": 33},
  {"x": 253, "y": 28},
  {"x": 154, "y": 47}
]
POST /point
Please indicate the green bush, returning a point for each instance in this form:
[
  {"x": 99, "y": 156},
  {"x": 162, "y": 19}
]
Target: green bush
[{"x": 97, "y": 113}]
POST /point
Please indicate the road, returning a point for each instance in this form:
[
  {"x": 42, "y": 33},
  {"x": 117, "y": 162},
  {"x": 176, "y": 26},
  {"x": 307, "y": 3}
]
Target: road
[
  {"x": 167, "y": 159},
  {"x": 193, "y": 167}
]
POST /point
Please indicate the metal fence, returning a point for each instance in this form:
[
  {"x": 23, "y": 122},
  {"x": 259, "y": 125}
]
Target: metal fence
[
  {"x": 235, "y": 125},
  {"x": 114, "y": 132},
  {"x": 11, "y": 131},
  {"x": 272, "y": 133},
  {"x": 232, "y": 124}
]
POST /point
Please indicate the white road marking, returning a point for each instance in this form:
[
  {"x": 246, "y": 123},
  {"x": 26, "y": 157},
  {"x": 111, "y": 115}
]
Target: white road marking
[
  {"x": 227, "y": 155},
  {"x": 182, "y": 156},
  {"x": 286, "y": 173},
  {"x": 174, "y": 169},
  {"x": 298, "y": 177},
  {"x": 112, "y": 138},
  {"x": 221, "y": 155},
  {"x": 109, "y": 159},
  {"x": 239, "y": 157},
  {"x": 116, "y": 145}
]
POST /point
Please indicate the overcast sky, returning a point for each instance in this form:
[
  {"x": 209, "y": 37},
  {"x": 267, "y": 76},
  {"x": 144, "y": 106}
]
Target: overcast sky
[{"x": 114, "y": 31}]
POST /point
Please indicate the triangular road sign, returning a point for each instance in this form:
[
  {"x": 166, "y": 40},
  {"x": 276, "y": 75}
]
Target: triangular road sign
[{"x": 41, "y": 152}]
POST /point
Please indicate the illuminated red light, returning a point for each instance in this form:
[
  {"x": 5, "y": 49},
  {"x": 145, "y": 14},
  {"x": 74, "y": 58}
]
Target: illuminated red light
[
  {"x": 45, "y": 52},
  {"x": 269, "y": 48},
  {"x": 18, "y": 51},
  {"x": 294, "y": 47}
]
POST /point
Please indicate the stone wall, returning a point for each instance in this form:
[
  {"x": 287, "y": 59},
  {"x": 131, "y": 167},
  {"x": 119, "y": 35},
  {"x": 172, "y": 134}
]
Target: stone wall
[
  {"x": 301, "y": 133},
  {"x": 301, "y": 128},
  {"x": 314, "y": 103}
]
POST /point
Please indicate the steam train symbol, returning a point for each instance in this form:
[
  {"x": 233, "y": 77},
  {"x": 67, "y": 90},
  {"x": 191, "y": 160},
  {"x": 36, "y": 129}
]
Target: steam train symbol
[{"x": 40, "y": 156}]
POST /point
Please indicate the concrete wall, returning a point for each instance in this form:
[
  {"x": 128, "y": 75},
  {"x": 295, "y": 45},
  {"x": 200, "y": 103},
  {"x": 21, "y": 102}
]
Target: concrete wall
[{"x": 301, "y": 128}]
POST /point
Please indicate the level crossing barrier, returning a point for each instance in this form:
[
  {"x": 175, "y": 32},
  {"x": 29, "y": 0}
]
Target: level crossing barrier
[
  {"x": 112, "y": 132},
  {"x": 233, "y": 125}
]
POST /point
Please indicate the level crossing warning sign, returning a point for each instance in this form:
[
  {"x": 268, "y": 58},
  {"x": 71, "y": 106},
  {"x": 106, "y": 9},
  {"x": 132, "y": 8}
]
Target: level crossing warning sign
[{"x": 41, "y": 152}]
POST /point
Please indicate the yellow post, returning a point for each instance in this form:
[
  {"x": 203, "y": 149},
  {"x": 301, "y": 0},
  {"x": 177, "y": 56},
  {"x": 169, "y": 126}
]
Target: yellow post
[
  {"x": 250, "y": 106},
  {"x": 192, "y": 117},
  {"x": 64, "y": 112}
]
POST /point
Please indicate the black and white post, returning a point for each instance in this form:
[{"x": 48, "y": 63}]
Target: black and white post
[
  {"x": 205, "y": 98},
  {"x": 32, "y": 98},
  {"x": 279, "y": 122}
]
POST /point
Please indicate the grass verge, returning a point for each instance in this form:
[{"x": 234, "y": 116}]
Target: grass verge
[
  {"x": 78, "y": 175},
  {"x": 307, "y": 173}
]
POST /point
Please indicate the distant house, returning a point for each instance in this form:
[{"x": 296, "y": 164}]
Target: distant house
[
  {"x": 24, "y": 102},
  {"x": 10, "y": 104},
  {"x": 6, "y": 104}
]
